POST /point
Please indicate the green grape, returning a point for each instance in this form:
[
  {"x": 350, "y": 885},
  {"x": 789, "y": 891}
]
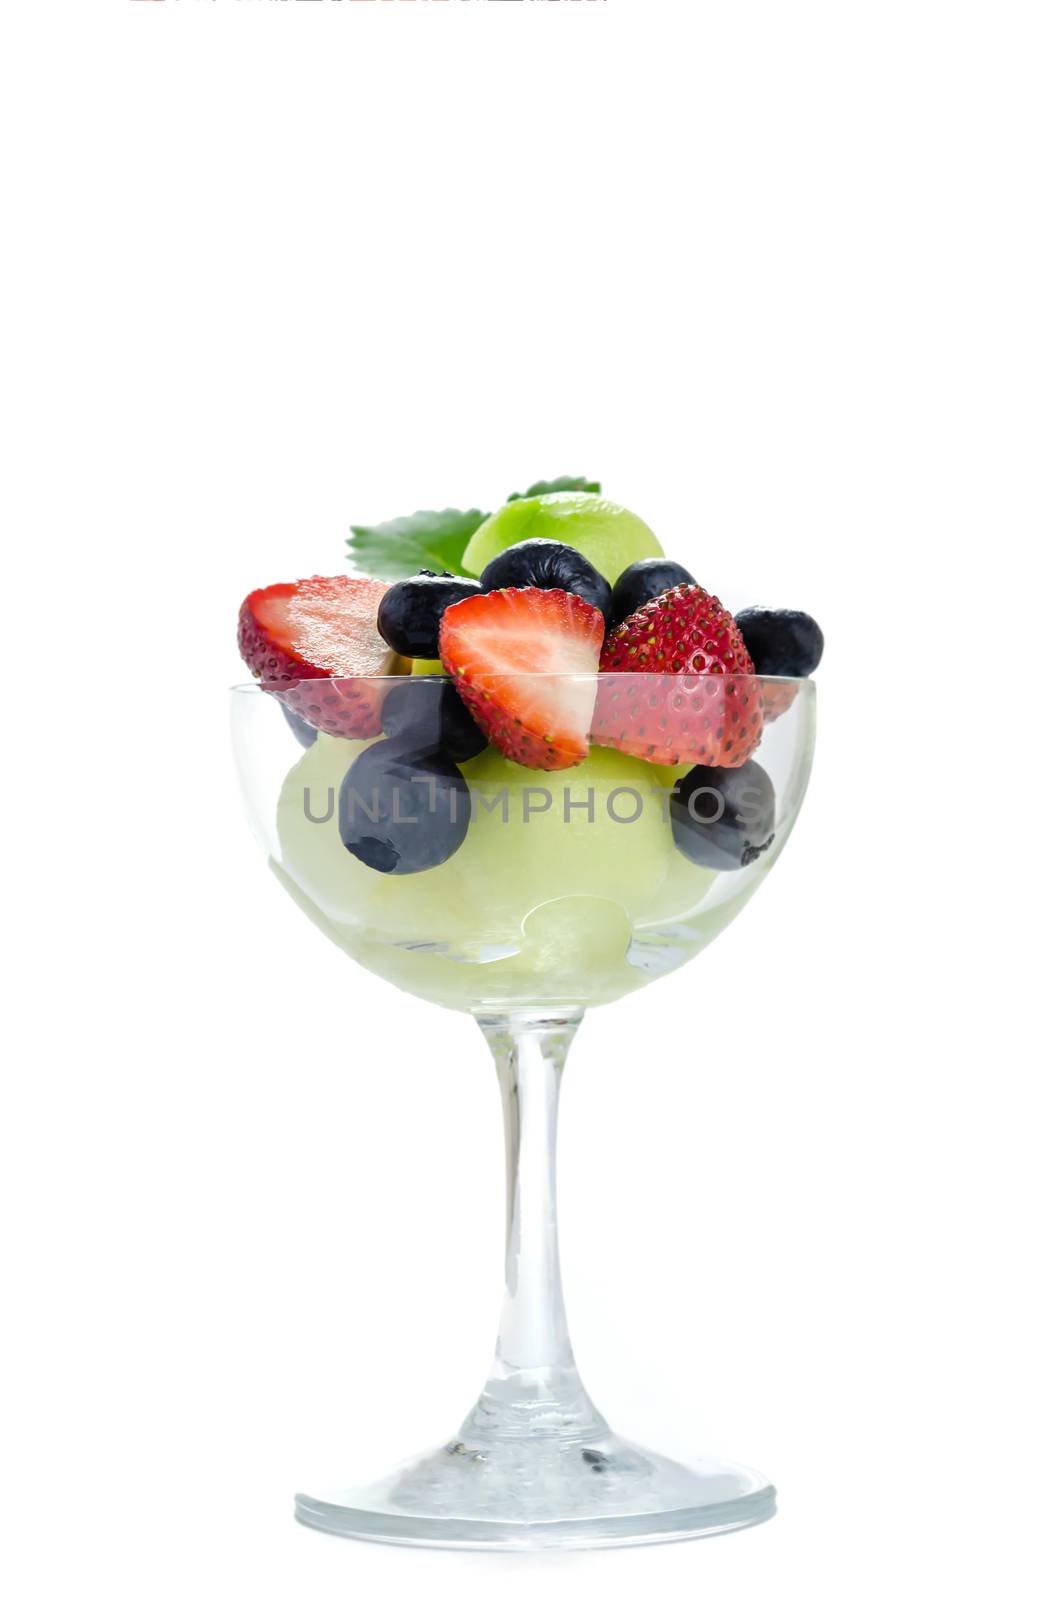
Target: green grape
[{"x": 609, "y": 536}]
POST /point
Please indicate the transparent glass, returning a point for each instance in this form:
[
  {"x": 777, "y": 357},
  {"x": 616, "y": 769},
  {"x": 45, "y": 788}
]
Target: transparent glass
[{"x": 569, "y": 889}]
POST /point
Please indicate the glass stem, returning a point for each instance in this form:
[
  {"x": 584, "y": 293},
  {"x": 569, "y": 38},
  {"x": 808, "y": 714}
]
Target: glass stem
[{"x": 534, "y": 1387}]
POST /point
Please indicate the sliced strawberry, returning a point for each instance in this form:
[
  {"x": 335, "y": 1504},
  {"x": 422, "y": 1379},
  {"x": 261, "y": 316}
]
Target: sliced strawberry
[
  {"x": 510, "y": 654},
  {"x": 777, "y": 697},
  {"x": 686, "y": 690},
  {"x": 315, "y": 643}
]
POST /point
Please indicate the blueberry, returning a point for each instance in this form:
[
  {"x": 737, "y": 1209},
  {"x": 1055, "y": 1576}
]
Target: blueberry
[
  {"x": 410, "y": 611},
  {"x": 644, "y": 581},
  {"x": 548, "y": 564},
  {"x": 782, "y": 644},
  {"x": 724, "y": 817},
  {"x": 428, "y": 714},
  {"x": 403, "y": 809},
  {"x": 302, "y": 730}
]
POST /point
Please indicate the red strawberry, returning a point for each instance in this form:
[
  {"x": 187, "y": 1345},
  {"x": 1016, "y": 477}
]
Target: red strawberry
[
  {"x": 710, "y": 712},
  {"x": 777, "y": 698},
  {"x": 533, "y": 718},
  {"x": 303, "y": 639}
]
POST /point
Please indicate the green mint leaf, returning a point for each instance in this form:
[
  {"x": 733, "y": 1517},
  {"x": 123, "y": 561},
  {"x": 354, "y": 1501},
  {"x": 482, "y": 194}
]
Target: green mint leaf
[
  {"x": 398, "y": 549},
  {"x": 556, "y": 486}
]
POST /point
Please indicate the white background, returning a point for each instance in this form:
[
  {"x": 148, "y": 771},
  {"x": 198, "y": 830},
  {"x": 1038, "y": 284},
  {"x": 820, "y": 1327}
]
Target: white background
[{"x": 786, "y": 277}]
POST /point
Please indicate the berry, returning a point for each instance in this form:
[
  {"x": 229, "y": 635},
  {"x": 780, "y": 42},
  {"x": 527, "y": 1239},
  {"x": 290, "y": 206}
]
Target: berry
[
  {"x": 644, "y": 581},
  {"x": 782, "y": 644},
  {"x": 402, "y": 809},
  {"x": 547, "y": 564},
  {"x": 511, "y": 653},
  {"x": 303, "y": 640},
  {"x": 410, "y": 611},
  {"x": 427, "y": 713},
  {"x": 778, "y": 696},
  {"x": 724, "y": 818},
  {"x": 299, "y": 727},
  {"x": 683, "y": 686},
  {"x": 607, "y": 534}
]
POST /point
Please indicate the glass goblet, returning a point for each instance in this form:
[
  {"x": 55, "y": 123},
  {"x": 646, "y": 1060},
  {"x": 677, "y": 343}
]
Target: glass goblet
[{"x": 524, "y": 897}]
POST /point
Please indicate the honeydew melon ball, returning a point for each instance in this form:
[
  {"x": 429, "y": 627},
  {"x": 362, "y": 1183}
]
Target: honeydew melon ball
[
  {"x": 343, "y": 889},
  {"x": 608, "y": 535},
  {"x": 599, "y": 831},
  {"x": 575, "y": 954},
  {"x": 576, "y": 949},
  {"x": 559, "y": 870},
  {"x": 595, "y": 831},
  {"x": 603, "y": 831}
]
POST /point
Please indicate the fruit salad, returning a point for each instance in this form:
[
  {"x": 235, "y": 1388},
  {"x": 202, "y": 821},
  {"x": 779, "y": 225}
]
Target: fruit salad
[{"x": 529, "y": 748}]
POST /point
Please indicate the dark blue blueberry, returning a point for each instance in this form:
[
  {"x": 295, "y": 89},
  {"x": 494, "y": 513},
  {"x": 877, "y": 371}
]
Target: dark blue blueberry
[
  {"x": 782, "y": 644},
  {"x": 644, "y": 581},
  {"x": 548, "y": 564},
  {"x": 403, "y": 809},
  {"x": 428, "y": 714},
  {"x": 411, "y": 611},
  {"x": 302, "y": 730},
  {"x": 724, "y": 817}
]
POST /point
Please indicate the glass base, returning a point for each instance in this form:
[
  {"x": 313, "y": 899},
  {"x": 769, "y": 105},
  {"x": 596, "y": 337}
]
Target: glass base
[{"x": 540, "y": 1494}]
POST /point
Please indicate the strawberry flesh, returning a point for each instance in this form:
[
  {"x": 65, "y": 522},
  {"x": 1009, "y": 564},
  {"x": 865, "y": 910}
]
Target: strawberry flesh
[
  {"x": 777, "y": 697},
  {"x": 683, "y": 687},
  {"x": 316, "y": 645},
  {"x": 511, "y": 654}
]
